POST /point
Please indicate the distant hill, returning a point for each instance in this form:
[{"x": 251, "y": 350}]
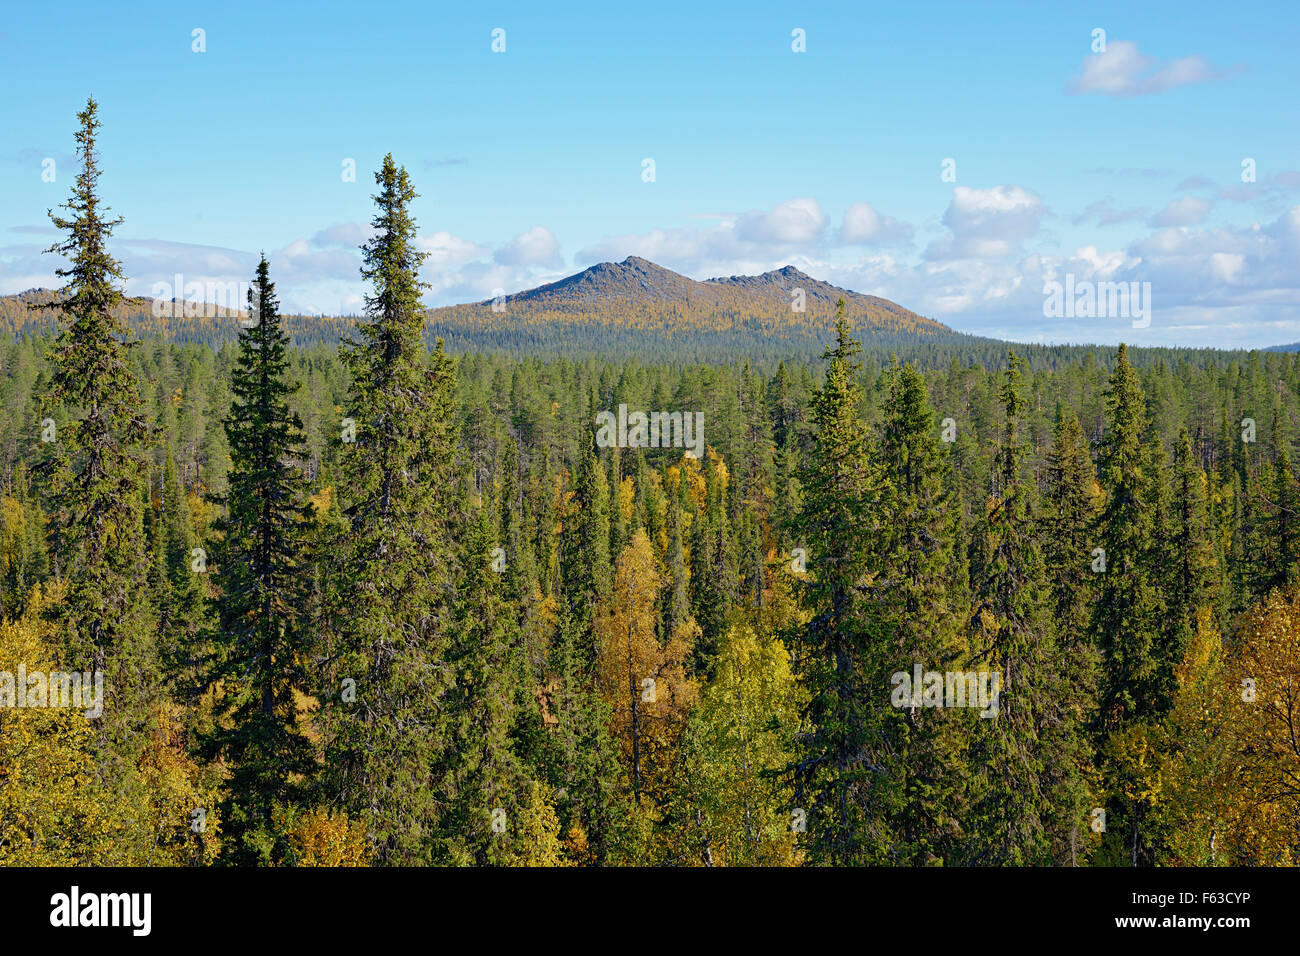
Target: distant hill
[
  {"x": 639, "y": 283},
  {"x": 612, "y": 307},
  {"x": 147, "y": 317},
  {"x": 636, "y": 304},
  {"x": 143, "y": 316}
]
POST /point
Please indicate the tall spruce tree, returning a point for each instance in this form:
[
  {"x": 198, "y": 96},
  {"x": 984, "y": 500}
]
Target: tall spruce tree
[
  {"x": 100, "y": 462},
  {"x": 1124, "y": 617},
  {"x": 392, "y": 584},
  {"x": 1030, "y": 752},
  {"x": 96, "y": 485},
  {"x": 260, "y": 575},
  {"x": 916, "y": 552},
  {"x": 841, "y": 780}
]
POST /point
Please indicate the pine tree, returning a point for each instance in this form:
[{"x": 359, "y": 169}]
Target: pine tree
[
  {"x": 390, "y": 591},
  {"x": 259, "y": 668},
  {"x": 841, "y": 774},
  {"x": 1124, "y": 617},
  {"x": 1029, "y": 752},
  {"x": 98, "y": 514},
  {"x": 916, "y": 552},
  {"x": 96, "y": 476}
]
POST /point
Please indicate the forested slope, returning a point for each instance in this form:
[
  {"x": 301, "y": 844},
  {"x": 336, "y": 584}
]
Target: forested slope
[{"x": 378, "y": 604}]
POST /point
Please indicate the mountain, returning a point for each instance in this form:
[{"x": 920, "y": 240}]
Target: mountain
[
  {"x": 643, "y": 288},
  {"x": 613, "y": 308},
  {"x": 637, "y": 305}
]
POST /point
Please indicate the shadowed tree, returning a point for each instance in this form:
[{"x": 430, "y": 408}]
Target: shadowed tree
[{"x": 262, "y": 581}]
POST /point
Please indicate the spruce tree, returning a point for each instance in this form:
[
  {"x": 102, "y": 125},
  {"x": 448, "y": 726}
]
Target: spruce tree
[
  {"x": 26, "y": 557},
  {"x": 99, "y": 461},
  {"x": 1188, "y": 560},
  {"x": 180, "y": 590},
  {"x": 582, "y": 763},
  {"x": 1029, "y": 753},
  {"x": 841, "y": 780},
  {"x": 1067, "y": 529},
  {"x": 479, "y": 778},
  {"x": 585, "y": 563},
  {"x": 916, "y": 552},
  {"x": 1124, "y": 618},
  {"x": 391, "y": 583},
  {"x": 96, "y": 475},
  {"x": 262, "y": 582}
]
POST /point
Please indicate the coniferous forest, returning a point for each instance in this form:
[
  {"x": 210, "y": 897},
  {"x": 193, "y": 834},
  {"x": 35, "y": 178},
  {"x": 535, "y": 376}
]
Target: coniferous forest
[{"x": 387, "y": 602}]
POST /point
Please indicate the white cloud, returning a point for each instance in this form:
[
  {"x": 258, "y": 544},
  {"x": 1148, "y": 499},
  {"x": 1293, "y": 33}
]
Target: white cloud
[
  {"x": 536, "y": 247},
  {"x": 863, "y": 225},
  {"x": 750, "y": 242},
  {"x": 1104, "y": 213},
  {"x": 987, "y": 223},
  {"x": 350, "y": 234},
  {"x": 446, "y": 251},
  {"x": 793, "y": 222},
  {"x": 1188, "y": 211},
  {"x": 1123, "y": 70}
]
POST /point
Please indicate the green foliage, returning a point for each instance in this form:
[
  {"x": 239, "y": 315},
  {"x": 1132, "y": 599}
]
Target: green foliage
[
  {"x": 258, "y": 672},
  {"x": 393, "y": 570},
  {"x": 370, "y": 604}
]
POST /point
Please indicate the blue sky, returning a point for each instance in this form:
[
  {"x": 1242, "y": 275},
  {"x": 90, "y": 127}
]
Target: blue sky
[{"x": 1123, "y": 164}]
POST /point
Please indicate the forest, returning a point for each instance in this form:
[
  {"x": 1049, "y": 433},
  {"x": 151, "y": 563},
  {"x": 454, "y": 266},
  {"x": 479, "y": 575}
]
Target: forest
[{"x": 389, "y": 601}]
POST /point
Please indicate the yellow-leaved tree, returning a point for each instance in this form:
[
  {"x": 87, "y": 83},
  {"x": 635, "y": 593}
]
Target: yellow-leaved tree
[
  {"x": 1232, "y": 765},
  {"x": 1263, "y": 690},
  {"x": 55, "y": 809},
  {"x": 644, "y": 680},
  {"x": 51, "y": 811},
  {"x": 734, "y": 799}
]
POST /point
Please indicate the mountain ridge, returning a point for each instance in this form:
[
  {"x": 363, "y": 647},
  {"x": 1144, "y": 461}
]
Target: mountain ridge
[
  {"x": 630, "y": 306},
  {"x": 641, "y": 282}
]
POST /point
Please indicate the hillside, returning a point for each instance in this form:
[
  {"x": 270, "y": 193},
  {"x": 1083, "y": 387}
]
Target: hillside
[
  {"x": 614, "y": 307},
  {"x": 614, "y": 304}
]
